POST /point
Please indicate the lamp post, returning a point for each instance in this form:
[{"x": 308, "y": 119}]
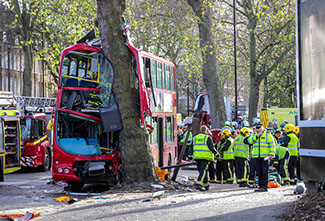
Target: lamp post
[
  {"x": 235, "y": 61},
  {"x": 43, "y": 61},
  {"x": 188, "y": 98}
]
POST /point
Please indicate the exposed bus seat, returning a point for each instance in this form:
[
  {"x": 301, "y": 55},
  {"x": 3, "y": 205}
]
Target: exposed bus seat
[
  {"x": 92, "y": 141},
  {"x": 78, "y": 147},
  {"x": 71, "y": 82},
  {"x": 86, "y": 83}
]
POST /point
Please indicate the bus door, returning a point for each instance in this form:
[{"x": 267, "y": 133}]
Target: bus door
[{"x": 160, "y": 130}]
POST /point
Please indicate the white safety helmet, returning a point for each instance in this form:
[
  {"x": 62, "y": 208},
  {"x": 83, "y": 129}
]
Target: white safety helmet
[
  {"x": 227, "y": 123},
  {"x": 234, "y": 124}
]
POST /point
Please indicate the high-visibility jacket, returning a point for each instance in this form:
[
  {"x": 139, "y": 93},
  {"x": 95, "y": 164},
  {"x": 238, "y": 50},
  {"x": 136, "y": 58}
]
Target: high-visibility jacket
[
  {"x": 293, "y": 144},
  {"x": 189, "y": 139},
  {"x": 219, "y": 146},
  {"x": 263, "y": 146},
  {"x": 201, "y": 149},
  {"x": 280, "y": 151},
  {"x": 240, "y": 148},
  {"x": 229, "y": 153}
]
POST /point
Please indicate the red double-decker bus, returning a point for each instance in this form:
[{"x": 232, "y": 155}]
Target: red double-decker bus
[
  {"x": 160, "y": 77},
  {"x": 87, "y": 120}
]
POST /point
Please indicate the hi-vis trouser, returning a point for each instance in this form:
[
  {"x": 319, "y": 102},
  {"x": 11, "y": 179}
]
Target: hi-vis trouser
[
  {"x": 241, "y": 169},
  {"x": 282, "y": 167},
  {"x": 228, "y": 172},
  {"x": 202, "y": 167}
]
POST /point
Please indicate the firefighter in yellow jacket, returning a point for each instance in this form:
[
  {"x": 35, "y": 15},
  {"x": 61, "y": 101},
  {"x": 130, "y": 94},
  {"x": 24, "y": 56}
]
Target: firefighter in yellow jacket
[
  {"x": 227, "y": 149},
  {"x": 203, "y": 153},
  {"x": 290, "y": 141},
  {"x": 241, "y": 154},
  {"x": 263, "y": 151}
]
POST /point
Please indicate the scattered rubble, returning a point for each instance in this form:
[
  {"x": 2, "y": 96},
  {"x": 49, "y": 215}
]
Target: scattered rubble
[{"x": 310, "y": 206}]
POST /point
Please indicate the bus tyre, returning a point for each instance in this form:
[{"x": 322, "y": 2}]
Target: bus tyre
[
  {"x": 47, "y": 161},
  {"x": 74, "y": 187}
]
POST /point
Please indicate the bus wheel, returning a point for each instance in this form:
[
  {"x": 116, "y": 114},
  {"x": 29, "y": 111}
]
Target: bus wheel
[
  {"x": 47, "y": 161},
  {"x": 75, "y": 187}
]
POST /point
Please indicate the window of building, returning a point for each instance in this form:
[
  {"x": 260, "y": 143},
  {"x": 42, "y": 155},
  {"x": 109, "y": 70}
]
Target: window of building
[
  {"x": 15, "y": 62},
  {"x": 15, "y": 86}
]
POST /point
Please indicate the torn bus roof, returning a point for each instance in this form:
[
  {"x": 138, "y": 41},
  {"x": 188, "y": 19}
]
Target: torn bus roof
[{"x": 144, "y": 97}]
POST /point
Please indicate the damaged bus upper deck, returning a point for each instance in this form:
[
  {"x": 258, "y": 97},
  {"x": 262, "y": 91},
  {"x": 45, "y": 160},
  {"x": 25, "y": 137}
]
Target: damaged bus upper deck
[{"x": 87, "y": 120}]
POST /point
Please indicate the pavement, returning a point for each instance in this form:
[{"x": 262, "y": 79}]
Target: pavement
[{"x": 29, "y": 191}]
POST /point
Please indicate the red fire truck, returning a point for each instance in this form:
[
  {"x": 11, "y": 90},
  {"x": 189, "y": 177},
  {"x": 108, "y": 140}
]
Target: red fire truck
[{"x": 36, "y": 147}]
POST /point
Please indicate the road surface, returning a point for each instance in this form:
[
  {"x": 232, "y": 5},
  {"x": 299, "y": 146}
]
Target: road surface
[{"x": 29, "y": 191}]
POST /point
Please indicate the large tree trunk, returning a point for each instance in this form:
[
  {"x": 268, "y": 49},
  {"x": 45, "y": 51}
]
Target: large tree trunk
[
  {"x": 136, "y": 155},
  {"x": 255, "y": 84},
  {"x": 254, "y": 95},
  {"x": 209, "y": 66},
  {"x": 28, "y": 67}
]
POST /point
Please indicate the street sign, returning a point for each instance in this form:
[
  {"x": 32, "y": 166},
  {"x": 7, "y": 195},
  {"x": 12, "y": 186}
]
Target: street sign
[{"x": 240, "y": 108}]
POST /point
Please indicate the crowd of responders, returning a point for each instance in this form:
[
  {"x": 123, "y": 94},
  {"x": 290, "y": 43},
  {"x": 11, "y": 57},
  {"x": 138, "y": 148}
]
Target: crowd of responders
[{"x": 254, "y": 157}]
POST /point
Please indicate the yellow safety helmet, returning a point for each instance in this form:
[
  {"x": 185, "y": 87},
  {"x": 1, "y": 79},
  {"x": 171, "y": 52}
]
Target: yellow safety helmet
[
  {"x": 296, "y": 130},
  {"x": 244, "y": 131},
  {"x": 289, "y": 128},
  {"x": 226, "y": 133}
]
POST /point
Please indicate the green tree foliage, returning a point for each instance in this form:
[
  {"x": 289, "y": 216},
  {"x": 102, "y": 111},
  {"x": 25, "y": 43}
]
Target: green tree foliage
[
  {"x": 203, "y": 13},
  {"x": 268, "y": 36},
  {"x": 45, "y": 28},
  {"x": 281, "y": 84}
]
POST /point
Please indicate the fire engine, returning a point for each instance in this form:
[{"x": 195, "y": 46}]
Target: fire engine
[
  {"x": 9, "y": 134},
  {"x": 36, "y": 148}
]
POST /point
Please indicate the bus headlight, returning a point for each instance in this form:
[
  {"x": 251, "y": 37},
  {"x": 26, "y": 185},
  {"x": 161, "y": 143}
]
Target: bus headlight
[
  {"x": 60, "y": 170},
  {"x": 66, "y": 170}
]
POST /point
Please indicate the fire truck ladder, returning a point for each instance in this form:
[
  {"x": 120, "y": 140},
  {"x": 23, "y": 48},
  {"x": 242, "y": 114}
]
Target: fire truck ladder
[
  {"x": 35, "y": 104},
  {"x": 6, "y": 99}
]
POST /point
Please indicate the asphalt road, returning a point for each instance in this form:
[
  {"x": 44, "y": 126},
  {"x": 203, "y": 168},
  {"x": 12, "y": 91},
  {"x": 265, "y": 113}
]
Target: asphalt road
[{"x": 29, "y": 191}]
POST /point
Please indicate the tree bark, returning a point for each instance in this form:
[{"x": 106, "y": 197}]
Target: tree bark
[
  {"x": 209, "y": 66},
  {"x": 266, "y": 94},
  {"x": 28, "y": 67},
  {"x": 254, "y": 95},
  {"x": 136, "y": 155}
]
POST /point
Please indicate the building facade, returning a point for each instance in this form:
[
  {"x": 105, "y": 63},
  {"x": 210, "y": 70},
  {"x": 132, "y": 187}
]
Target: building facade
[{"x": 12, "y": 69}]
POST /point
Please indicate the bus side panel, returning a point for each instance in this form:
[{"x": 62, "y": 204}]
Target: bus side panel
[{"x": 313, "y": 167}]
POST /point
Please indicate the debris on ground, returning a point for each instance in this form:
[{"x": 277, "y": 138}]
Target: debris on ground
[
  {"x": 158, "y": 194},
  {"x": 157, "y": 186},
  {"x": 72, "y": 200},
  {"x": 300, "y": 189},
  {"x": 309, "y": 207},
  {"x": 167, "y": 185},
  {"x": 62, "y": 199},
  {"x": 81, "y": 194},
  {"x": 59, "y": 183},
  {"x": 21, "y": 217}
]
